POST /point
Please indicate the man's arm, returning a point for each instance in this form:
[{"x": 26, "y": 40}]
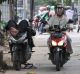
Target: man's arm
[{"x": 50, "y": 22}]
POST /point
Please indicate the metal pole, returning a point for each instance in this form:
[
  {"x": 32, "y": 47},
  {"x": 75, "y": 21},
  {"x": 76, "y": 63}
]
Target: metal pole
[{"x": 11, "y": 8}]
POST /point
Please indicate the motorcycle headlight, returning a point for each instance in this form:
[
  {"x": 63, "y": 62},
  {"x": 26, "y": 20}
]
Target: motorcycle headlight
[
  {"x": 60, "y": 43},
  {"x": 54, "y": 43}
]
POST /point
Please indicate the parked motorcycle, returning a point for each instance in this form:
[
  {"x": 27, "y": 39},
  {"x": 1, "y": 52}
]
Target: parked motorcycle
[
  {"x": 57, "y": 44},
  {"x": 21, "y": 52}
]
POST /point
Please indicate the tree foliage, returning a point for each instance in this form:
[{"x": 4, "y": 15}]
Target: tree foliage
[
  {"x": 2, "y": 1},
  {"x": 44, "y": 2},
  {"x": 51, "y": 2},
  {"x": 67, "y": 2}
]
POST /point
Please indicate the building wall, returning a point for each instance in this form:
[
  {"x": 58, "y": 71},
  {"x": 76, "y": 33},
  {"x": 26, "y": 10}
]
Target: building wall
[
  {"x": 23, "y": 9},
  {"x": 27, "y": 7},
  {"x": 5, "y": 11},
  {"x": 78, "y": 2},
  {"x": 78, "y": 7}
]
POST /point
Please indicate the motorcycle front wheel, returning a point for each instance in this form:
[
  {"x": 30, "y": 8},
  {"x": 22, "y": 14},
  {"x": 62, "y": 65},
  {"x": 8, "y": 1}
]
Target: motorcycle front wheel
[{"x": 58, "y": 64}]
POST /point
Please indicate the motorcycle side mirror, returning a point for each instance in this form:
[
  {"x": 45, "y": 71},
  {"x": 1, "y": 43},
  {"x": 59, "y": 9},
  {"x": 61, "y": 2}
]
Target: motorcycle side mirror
[
  {"x": 70, "y": 21},
  {"x": 56, "y": 26}
]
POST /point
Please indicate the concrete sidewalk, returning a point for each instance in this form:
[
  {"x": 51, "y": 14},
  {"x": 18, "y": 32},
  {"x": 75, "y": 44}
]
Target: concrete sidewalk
[{"x": 40, "y": 42}]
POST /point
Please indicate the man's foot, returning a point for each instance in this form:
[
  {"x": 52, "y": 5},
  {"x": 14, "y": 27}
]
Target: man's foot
[
  {"x": 67, "y": 56},
  {"x": 28, "y": 65}
]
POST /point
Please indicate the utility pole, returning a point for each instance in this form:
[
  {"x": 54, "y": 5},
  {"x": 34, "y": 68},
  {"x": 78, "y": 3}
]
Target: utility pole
[{"x": 31, "y": 10}]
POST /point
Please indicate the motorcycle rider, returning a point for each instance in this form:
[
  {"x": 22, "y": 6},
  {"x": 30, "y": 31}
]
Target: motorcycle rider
[{"x": 60, "y": 19}]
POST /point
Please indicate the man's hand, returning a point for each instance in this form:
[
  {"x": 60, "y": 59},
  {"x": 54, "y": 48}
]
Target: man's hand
[
  {"x": 46, "y": 27},
  {"x": 13, "y": 31}
]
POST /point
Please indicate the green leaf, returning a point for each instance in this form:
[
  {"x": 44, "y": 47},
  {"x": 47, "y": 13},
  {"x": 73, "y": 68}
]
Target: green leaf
[{"x": 2, "y": 1}]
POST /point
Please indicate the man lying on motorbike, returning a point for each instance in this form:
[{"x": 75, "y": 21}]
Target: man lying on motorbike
[
  {"x": 60, "y": 19},
  {"x": 13, "y": 29}
]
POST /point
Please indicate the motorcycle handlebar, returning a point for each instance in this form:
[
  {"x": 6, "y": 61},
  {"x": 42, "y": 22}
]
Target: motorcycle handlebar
[{"x": 54, "y": 29}]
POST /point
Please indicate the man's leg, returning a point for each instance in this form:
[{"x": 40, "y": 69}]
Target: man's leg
[
  {"x": 69, "y": 47},
  {"x": 78, "y": 30}
]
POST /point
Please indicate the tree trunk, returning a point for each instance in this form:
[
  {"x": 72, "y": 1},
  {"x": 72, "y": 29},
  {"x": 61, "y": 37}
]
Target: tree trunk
[
  {"x": 11, "y": 9},
  {"x": 1, "y": 57},
  {"x": 3, "y": 65},
  {"x": 0, "y": 15}
]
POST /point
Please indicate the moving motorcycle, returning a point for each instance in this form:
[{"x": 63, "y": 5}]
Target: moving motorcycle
[
  {"x": 57, "y": 44},
  {"x": 21, "y": 52}
]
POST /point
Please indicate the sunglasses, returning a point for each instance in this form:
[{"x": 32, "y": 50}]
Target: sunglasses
[{"x": 59, "y": 7}]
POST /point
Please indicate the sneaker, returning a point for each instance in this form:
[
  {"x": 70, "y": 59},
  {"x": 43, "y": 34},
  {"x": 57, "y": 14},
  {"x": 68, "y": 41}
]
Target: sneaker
[{"x": 68, "y": 56}]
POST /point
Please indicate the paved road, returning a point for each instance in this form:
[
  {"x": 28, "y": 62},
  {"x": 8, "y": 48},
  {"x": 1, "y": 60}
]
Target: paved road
[{"x": 44, "y": 66}]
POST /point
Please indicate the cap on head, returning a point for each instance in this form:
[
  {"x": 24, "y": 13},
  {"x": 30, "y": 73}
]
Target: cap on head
[{"x": 59, "y": 5}]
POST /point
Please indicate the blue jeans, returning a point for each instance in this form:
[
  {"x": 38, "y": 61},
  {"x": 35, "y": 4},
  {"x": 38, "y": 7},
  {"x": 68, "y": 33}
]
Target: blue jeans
[{"x": 41, "y": 28}]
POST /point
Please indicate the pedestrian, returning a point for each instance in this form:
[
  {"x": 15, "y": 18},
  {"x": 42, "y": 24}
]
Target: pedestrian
[
  {"x": 69, "y": 14},
  {"x": 78, "y": 26}
]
